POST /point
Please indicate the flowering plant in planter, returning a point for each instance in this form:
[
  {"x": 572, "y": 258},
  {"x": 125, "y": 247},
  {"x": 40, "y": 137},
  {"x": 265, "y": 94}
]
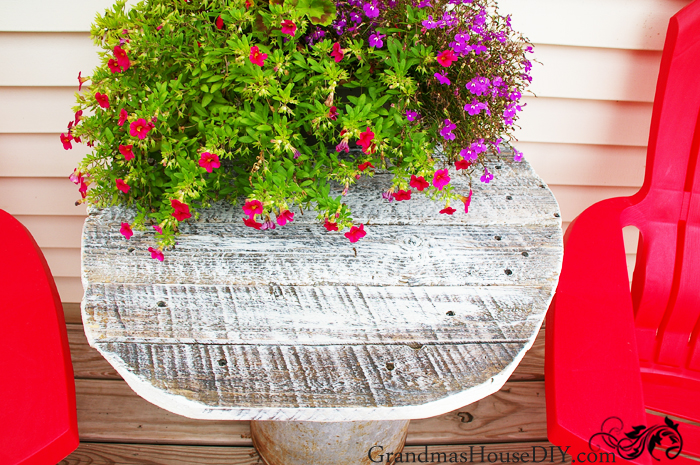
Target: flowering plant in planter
[{"x": 273, "y": 102}]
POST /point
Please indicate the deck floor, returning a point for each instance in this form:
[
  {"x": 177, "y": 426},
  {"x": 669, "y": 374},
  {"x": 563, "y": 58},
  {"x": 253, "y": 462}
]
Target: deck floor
[{"x": 118, "y": 427}]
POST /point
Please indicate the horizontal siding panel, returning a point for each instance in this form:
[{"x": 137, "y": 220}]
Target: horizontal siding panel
[
  {"x": 70, "y": 290},
  {"x": 40, "y": 196},
  {"x": 64, "y": 263},
  {"x": 53, "y": 15},
  {"x": 41, "y": 155},
  {"x": 595, "y": 73},
  {"x": 48, "y": 110},
  {"x": 48, "y": 59},
  {"x": 574, "y": 121},
  {"x": 630, "y": 24},
  {"x": 586, "y": 165},
  {"x": 54, "y": 231},
  {"x": 575, "y": 199}
]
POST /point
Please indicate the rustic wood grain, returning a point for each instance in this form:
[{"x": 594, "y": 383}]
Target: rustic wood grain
[
  {"x": 427, "y": 313},
  {"x": 149, "y": 454},
  {"x": 109, "y": 411}
]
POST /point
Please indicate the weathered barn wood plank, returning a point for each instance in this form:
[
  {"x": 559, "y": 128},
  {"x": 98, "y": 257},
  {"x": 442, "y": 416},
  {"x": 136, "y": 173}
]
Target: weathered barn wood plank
[
  {"x": 426, "y": 314},
  {"x": 88, "y": 363},
  {"x": 149, "y": 454},
  {"x": 108, "y": 411}
]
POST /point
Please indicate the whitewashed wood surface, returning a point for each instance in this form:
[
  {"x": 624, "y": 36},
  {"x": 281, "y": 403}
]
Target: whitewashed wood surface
[{"x": 424, "y": 315}]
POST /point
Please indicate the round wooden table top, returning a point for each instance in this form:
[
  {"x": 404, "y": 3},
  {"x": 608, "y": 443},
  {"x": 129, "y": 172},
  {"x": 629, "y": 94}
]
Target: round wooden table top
[{"x": 427, "y": 313}]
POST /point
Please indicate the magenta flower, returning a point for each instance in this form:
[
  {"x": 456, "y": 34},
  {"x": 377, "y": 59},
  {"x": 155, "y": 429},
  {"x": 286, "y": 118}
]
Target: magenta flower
[
  {"x": 366, "y": 140},
  {"x": 182, "y": 210},
  {"x": 517, "y": 155},
  {"x": 126, "y": 230},
  {"x": 462, "y": 164},
  {"x": 102, "y": 100},
  {"x": 447, "y": 129},
  {"x": 122, "y": 57},
  {"x": 475, "y": 107},
  {"x": 486, "y": 177},
  {"x": 418, "y": 182},
  {"x": 411, "y": 115},
  {"x": 123, "y": 115},
  {"x": 365, "y": 165},
  {"x": 285, "y": 217},
  {"x": 257, "y": 57},
  {"x": 65, "y": 140},
  {"x": 156, "y": 254},
  {"x": 158, "y": 229},
  {"x": 442, "y": 79},
  {"x": 467, "y": 201},
  {"x": 76, "y": 177},
  {"x": 288, "y": 27},
  {"x": 342, "y": 146},
  {"x": 402, "y": 195},
  {"x": 333, "y": 113},
  {"x": 122, "y": 186},
  {"x": 140, "y": 128},
  {"x": 371, "y": 10},
  {"x": 375, "y": 40},
  {"x": 219, "y": 23},
  {"x": 252, "y": 207},
  {"x": 330, "y": 226},
  {"x": 209, "y": 161},
  {"x": 446, "y": 58},
  {"x": 114, "y": 66},
  {"x": 78, "y": 116},
  {"x": 127, "y": 151},
  {"x": 251, "y": 223},
  {"x": 356, "y": 233},
  {"x": 441, "y": 179},
  {"x": 337, "y": 52},
  {"x": 269, "y": 224},
  {"x": 81, "y": 81},
  {"x": 448, "y": 210}
]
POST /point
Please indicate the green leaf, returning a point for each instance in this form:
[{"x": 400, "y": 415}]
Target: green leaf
[
  {"x": 207, "y": 98},
  {"x": 108, "y": 134}
]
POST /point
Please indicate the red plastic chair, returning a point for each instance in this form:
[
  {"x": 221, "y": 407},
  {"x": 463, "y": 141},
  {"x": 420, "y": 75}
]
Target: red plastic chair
[
  {"x": 615, "y": 353},
  {"x": 38, "y": 421}
]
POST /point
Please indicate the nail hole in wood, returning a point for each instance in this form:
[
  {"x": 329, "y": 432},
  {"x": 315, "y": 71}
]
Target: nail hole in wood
[
  {"x": 542, "y": 186},
  {"x": 509, "y": 197},
  {"x": 161, "y": 303},
  {"x": 498, "y": 238},
  {"x": 390, "y": 366},
  {"x": 130, "y": 249},
  {"x": 222, "y": 363},
  {"x": 415, "y": 346},
  {"x": 556, "y": 215},
  {"x": 450, "y": 313},
  {"x": 525, "y": 254},
  {"x": 508, "y": 272},
  {"x": 498, "y": 167}
]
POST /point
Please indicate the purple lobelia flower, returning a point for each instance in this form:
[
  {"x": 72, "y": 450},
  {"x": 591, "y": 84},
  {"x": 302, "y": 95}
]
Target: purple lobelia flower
[
  {"x": 447, "y": 129},
  {"x": 442, "y": 79},
  {"x": 375, "y": 40}
]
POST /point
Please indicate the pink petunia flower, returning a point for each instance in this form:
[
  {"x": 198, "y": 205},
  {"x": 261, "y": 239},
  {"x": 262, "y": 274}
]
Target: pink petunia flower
[
  {"x": 337, "y": 52},
  {"x": 441, "y": 179},
  {"x": 251, "y": 223},
  {"x": 402, "y": 195},
  {"x": 333, "y": 113},
  {"x": 343, "y": 146},
  {"x": 126, "y": 230},
  {"x": 356, "y": 233},
  {"x": 122, "y": 57},
  {"x": 140, "y": 128},
  {"x": 123, "y": 115},
  {"x": 462, "y": 164},
  {"x": 209, "y": 161},
  {"x": 123, "y": 186},
  {"x": 78, "y": 116},
  {"x": 156, "y": 254},
  {"x": 418, "y": 182},
  {"x": 448, "y": 210},
  {"x": 158, "y": 228},
  {"x": 81, "y": 81},
  {"x": 330, "y": 226},
  {"x": 182, "y": 210},
  {"x": 446, "y": 58},
  {"x": 366, "y": 140},
  {"x": 285, "y": 217},
  {"x": 114, "y": 66},
  {"x": 288, "y": 27},
  {"x": 102, "y": 100},
  {"x": 256, "y": 56},
  {"x": 219, "y": 23},
  {"x": 127, "y": 151},
  {"x": 76, "y": 177},
  {"x": 252, "y": 207},
  {"x": 467, "y": 200},
  {"x": 365, "y": 165},
  {"x": 65, "y": 140}
]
